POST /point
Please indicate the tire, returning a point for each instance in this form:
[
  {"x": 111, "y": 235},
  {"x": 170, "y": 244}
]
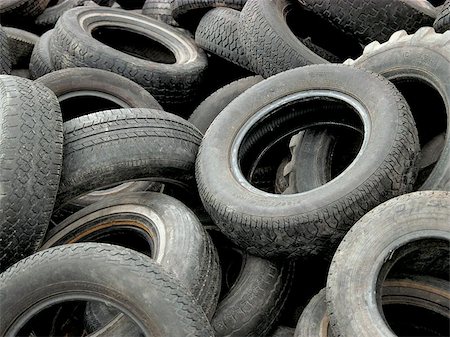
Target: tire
[
  {"x": 171, "y": 84},
  {"x": 209, "y": 109},
  {"x": 31, "y": 157},
  {"x": 423, "y": 292},
  {"x": 14, "y": 9},
  {"x": 252, "y": 303},
  {"x": 176, "y": 235},
  {"x": 5, "y": 53},
  {"x": 267, "y": 225},
  {"x": 374, "y": 19},
  {"x": 21, "y": 44},
  {"x": 189, "y": 12},
  {"x": 40, "y": 62},
  {"x": 24, "y": 73},
  {"x": 401, "y": 60},
  {"x": 283, "y": 331},
  {"x": 159, "y": 10},
  {"x": 51, "y": 15},
  {"x": 157, "y": 146},
  {"x": 95, "y": 272},
  {"x": 442, "y": 22},
  {"x": 217, "y": 33},
  {"x": 81, "y": 91},
  {"x": 131, "y": 4},
  {"x": 372, "y": 248},
  {"x": 269, "y": 44}
]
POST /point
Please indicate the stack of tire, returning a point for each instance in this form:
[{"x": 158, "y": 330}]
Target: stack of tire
[{"x": 225, "y": 168}]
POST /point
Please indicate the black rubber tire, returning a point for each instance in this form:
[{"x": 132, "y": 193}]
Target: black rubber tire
[
  {"x": 189, "y": 12},
  {"x": 312, "y": 222},
  {"x": 424, "y": 292},
  {"x": 209, "y": 109},
  {"x": 5, "y": 53},
  {"x": 371, "y": 248},
  {"x": 40, "y": 62},
  {"x": 171, "y": 84},
  {"x": 156, "y": 299},
  {"x": 129, "y": 144},
  {"x": 21, "y": 44},
  {"x": 30, "y": 161},
  {"x": 442, "y": 22},
  {"x": 269, "y": 44},
  {"x": 118, "y": 91},
  {"x": 423, "y": 57},
  {"x": 51, "y": 14},
  {"x": 14, "y": 9},
  {"x": 253, "y": 302},
  {"x": 374, "y": 19},
  {"x": 177, "y": 230},
  {"x": 217, "y": 33},
  {"x": 131, "y": 4},
  {"x": 159, "y": 10}
]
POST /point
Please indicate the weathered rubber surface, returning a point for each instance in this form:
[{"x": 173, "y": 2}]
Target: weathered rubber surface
[
  {"x": 5, "y": 54},
  {"x": 31, "y": 139},
  {"x": 188, "y": 11},
  {"x": 155, "y": 299},
  {"x": 13, "y": 9},
  {"x": 209, "y": 109},
  {"x": 51, "y": 14},
  {"x": 40, "y": 62},
  {"x": 21, "y": 44},
  {"x": 217, "y": 33},
  {"x": 271, "y": 47},
  {"x": 312, "y": 222},
  {"x": 254, "y": 301},
  {"x": 129, "y": 144},
  {"x": 159, "y": 10},
  {"x": 179, "y": 237},
  {"x": 99, "y": 83},
  {"x": 371, "y": 248},
  {"x": 374, "y": 19},
  {"x": 425, "y": 57},
  {"x": 442, "y": 22},
  {"x": 170, "y": 84}
]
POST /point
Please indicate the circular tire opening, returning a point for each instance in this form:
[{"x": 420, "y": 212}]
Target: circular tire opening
[
  {"x": 80, "y": 105},
  {"x": 134, "y": 44}
]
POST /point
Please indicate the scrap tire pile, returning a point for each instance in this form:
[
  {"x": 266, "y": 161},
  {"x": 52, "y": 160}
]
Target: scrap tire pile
[{"x": 225, "y": 168}]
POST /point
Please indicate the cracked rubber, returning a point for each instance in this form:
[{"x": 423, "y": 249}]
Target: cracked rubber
[
  {"x": 21, "y": 45},
  {"x": 372, "y": 248},
  {"x": 156, "y": 299},
  {"x": 30, "y": 161},
  {"x": 442, "y": 22},
  {"x": 425, "y": 57},
  {"x": 312, "y": 222},
  {"x": 40, "y": 62},
  {"x": 371, "y": 20},
  {"x": 217, "y": 33}
]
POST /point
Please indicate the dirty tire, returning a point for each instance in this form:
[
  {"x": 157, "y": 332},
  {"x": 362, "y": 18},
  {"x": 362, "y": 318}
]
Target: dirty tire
[
  {"x": 312, "y": 222},
  {"x": 159, "y": 10},
  {"x": 157, "y": 300},
  {"x": 171, "y": 84},
  {"x": 442, "y": 22},
  {"x": 217, "y": 33},
  {"x": 113, "y": 89},
  {"x": 40, "y": 62},
  {"x": 269, "y": 44},
  {"x": 5, "y": 53},
  {"x": 371, "y": 248},
  {"x": 374, "y": 19},
  {"x": 30, "y": 161},
  {"x": 51, "y": 15},
  {"x": 21, "y": 45},
  {"x": 177, "y": 229},
  {"x": 130, "y": 144},
  {"x": 19, "y": 9},
  {"x": 423, "y": 57},
  {"x": 209, "y": 109}
]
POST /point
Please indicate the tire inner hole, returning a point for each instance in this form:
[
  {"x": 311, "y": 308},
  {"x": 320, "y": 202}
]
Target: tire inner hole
[
  {"x": 77, "y": 106},
  {"x": 133, "y": 44}
]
